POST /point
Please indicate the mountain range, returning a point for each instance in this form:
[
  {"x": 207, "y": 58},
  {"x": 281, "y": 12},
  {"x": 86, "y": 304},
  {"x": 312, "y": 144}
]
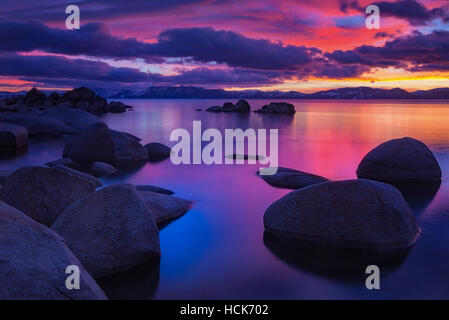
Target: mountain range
[
  {"x": 186, "y": 92},
  {"x": 191, "y": 92}
]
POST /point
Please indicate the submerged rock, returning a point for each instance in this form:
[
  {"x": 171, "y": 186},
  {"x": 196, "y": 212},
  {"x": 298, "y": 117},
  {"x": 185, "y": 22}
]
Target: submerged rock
[
  {"x": 157, "y": 151},
  {"x": 292, "y": 179},
  {"x": 119, "y": 227},
  {"x": 43, "y": 193},
  {"x": 277, "y": 108},
  {"x": 353, "y": 213},
  {"x": 400, "y": 160},
  {"x": 12, "y": 136},
  {"x": 101, "y": 169},
  {"x": 141, "y": 187},
  {"x": 165, "y": 208},
  {"x": 77, "y": 119},
  {"x": 39, "y": 125},
  {"x": 34, "y": 261}
]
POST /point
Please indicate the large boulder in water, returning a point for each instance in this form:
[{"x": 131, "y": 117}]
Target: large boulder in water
[
  {"x": 39, "y": 125},
  {"x": 361, "y": 214},
  {"x": 77, "y": 119},
  {"x": 34, "y": 261},
  {"x": 165, "y": 208},
  {"x": 118, "y": 230},
  {"x": 400, "y": 160},
  {"x": 277, "y": 108},
  {"x": 242, "y": 106},
  {"x": 43, "y": 193},
  {"x": 104, "y": 145},
  {"x": 80, "y": 174},
  {"x": 12, "y": 136},
  {"x": 292, "y": 179},
  {"x": 157, "y": 151}
]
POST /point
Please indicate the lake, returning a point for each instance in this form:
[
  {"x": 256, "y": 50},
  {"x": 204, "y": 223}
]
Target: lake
[{"x": 217, "y": 250}]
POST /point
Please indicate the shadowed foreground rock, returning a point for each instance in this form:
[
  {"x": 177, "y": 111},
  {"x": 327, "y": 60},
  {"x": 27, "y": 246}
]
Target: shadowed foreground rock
[
  {"x": 81, "y": 174},
  {"x": 12, "y": 136},
  {"x": 353, "y": 213},
  {"x": 165, "y": 208},
  {"x": 34, "y": 260},
  {"x": 42, "y": 193},
  {"x": 292, "y": 179},
  {"x": 105, "y": 145},
  {"x": 110, "y": 230},
  {"x": 400, "y": 160},
  {"x": 39, "y": 125},
  {"x": 77, "y": 119}
]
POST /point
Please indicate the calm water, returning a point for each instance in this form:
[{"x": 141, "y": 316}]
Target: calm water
[{"x": 217, "y": 249}]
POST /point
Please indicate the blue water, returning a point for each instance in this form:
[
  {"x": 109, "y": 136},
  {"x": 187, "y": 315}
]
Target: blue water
[{"x": 217, "y": 249}]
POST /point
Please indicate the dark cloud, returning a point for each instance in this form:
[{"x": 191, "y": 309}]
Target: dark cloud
[
  {"x": 412, "y": 11},
  {"x": 416, "y": 52},
  {"x": 201, "y": 44}
]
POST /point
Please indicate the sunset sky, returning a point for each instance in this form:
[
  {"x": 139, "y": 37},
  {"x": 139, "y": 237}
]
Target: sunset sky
[{"x": 268, "y": 45}]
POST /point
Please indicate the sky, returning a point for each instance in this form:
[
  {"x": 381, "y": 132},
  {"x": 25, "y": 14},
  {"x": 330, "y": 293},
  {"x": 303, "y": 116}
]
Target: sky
[{"x": 283, "y": 45}]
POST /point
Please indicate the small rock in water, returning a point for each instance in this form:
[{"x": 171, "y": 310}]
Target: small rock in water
[
  {"x": 101, "y": 169},
  {"x": 34, "y": 260},
  {"x": 153, "y": 189},
  {"x": 116, "y": 107},
  {"x": 120, "y": 229},
  {"x": 242, "y": 106},
  {"x": 43, "y": 193},
  {"x": 292, "y": 179},
  {"x": 165, "y": 208},
  {"x": 13, "y": 136},
  {"x": 157, "y": 151},
  {"x": 400, "y": 160},
  {"x": 277, "y": 108},
  {"x": 360, "y": 213},
  {"x": 214, "y": 109}
]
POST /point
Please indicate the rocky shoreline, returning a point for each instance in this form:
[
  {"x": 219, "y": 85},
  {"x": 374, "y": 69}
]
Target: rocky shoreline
[{"x": 59, "y": 213}]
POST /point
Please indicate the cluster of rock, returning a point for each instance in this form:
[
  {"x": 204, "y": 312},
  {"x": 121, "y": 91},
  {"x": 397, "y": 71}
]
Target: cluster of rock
[
  {"x": 368, "y": 213},
  {"x": 242, "y": 106},
  {"x": 43, "y": 212},
  {"x": 80, "y": 98}
]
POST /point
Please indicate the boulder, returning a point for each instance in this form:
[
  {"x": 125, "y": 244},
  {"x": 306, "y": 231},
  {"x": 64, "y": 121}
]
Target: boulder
[
  {"x": 242, "y": 106},
  {"x": 98, "y": 106},
  {"x": 54, "y": 98},
  {"x": 157, "y": 151},
  {"x": 77, "y": 119},
  {"x": 277, "y": 108},
  {"x": 78, "y": 94},
  {"x": 101, "y": 169},
  {"x": 141, "y": 187},
  {"x": 42, "y": 193},
  {"x": 39, "y": 125},
  {"x": 165, "y": 208},
  {"x": 34, "y": 97},
  {"x": 34, "y": 261},
  {"x": 228, "y": 107},
  {"x": 12, "y": 136},
  {"x": 118, "y": 230},
  {"x": 214, "y": 109},
  {"x": 400, "y": 160},
  {"x": 104, "y": 145},
  {"x": 80, "y": 174},
  {"x": 292, "y": 179},
  {"x": 116, "y": 107},
  {"x": 360, "y": 213}
]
